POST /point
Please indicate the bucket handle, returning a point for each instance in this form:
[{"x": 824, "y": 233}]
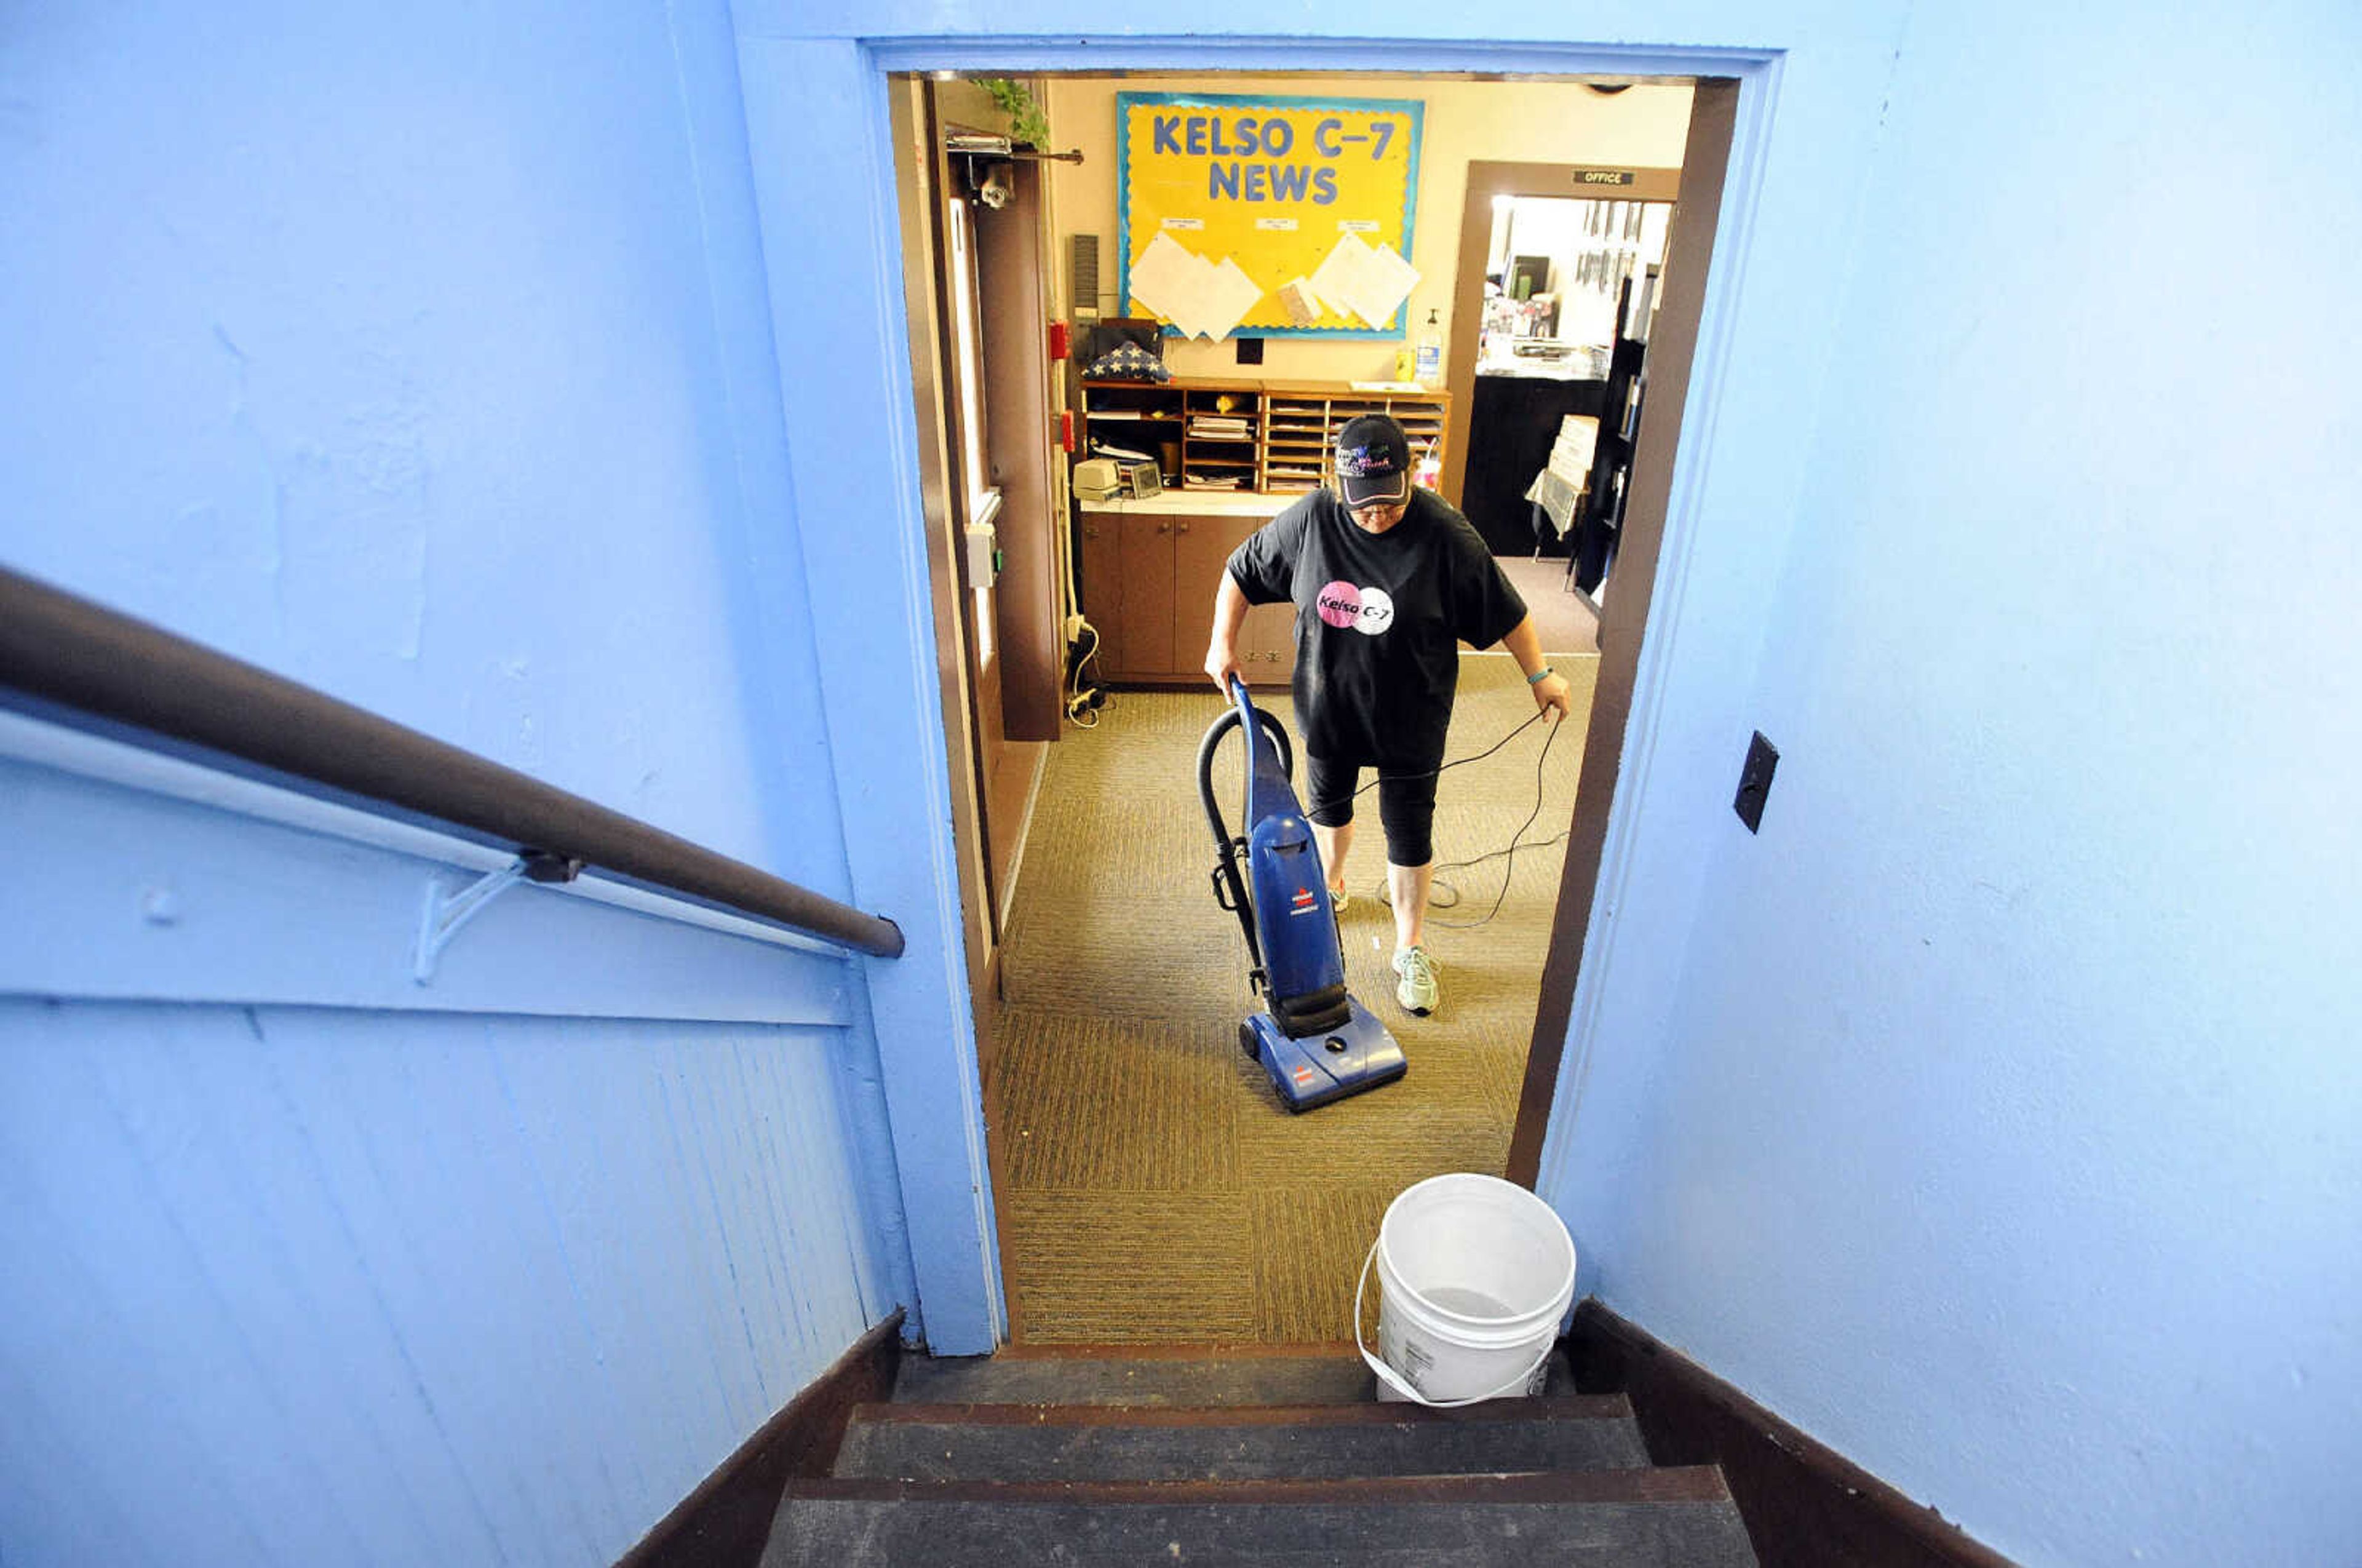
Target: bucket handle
[{"x": 1401, "y": 1384}]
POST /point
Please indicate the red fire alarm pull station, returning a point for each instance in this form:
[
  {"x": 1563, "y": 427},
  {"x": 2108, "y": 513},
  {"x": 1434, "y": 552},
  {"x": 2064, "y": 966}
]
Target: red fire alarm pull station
[
  {"x": 1058, "y": 340},
  {"x": 1066, "y": 428}
]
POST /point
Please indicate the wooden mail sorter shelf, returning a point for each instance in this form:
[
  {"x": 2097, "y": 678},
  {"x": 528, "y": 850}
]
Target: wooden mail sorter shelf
[{"x": 1235, "y": 435}]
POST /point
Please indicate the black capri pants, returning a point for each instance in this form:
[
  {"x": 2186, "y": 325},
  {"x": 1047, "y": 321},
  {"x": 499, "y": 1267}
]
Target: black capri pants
[{"x": 1405, "y": 803}]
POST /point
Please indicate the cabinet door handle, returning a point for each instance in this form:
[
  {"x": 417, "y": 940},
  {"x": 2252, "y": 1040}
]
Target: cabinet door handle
[
  {"x": 1161, "y": 527},
  {"x": 1180, "y": 527}
]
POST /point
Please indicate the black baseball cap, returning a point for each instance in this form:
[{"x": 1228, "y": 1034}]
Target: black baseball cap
[{"x": 1373, "y": 461}]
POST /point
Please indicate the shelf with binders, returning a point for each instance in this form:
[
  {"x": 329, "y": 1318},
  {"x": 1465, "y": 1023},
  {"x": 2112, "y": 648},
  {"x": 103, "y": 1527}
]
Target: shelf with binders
[
  {"x": 1220, "y": 436},
  {"x": 1133, "y": 422}
]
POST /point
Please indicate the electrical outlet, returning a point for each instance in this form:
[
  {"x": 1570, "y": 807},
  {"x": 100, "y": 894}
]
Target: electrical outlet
[
  {"x": 1073, "y": 627},
  {"x": 1755, "y": 781}
]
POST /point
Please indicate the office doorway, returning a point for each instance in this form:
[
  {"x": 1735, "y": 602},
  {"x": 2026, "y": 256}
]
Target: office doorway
[
  {"x": 1147, "y": 1188},
  {"x": 1563, "y": 267}
]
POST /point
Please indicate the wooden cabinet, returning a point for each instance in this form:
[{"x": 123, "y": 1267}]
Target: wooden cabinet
[
  {"x": 1145, "y": 554},
  {"x": 1150, "y": 566},
  {"x": 1099, "y": 560},
  {"x": 1150, "y": 573}
]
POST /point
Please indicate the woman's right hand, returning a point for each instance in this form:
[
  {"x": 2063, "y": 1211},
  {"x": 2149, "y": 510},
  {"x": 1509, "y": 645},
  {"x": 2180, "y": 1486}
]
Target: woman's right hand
[{"x": 1223, "y": 664}]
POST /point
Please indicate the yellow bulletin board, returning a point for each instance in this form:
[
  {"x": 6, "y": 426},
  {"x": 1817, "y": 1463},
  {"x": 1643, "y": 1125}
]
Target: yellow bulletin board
[{"x": 1272, "y": 185}]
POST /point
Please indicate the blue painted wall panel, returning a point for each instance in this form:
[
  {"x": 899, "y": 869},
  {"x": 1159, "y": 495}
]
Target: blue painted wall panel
[
  {"x": 427, "y": 368},
  {"x": 426, "y": 359},
  {"x": 2049, "y": 937},
  {"x": 297, "y": 1286},
  {"x": 139, "y": 895}
]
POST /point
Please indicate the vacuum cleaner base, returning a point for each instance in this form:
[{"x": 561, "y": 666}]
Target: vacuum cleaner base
[{"x": 1357, "y": 1054}]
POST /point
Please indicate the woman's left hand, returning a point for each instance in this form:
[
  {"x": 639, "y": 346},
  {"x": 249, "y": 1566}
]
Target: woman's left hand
[{"x": 1552, "y": 693}]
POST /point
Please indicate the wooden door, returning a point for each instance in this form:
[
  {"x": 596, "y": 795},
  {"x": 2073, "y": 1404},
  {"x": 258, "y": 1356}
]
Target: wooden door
[
  {"x": 976, "y": 503},
  {"x": 1013, "y": 307}
]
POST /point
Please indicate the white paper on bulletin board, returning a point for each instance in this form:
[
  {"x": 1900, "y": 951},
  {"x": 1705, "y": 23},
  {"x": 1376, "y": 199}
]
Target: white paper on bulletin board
[{"x": 1275, "y": 187}]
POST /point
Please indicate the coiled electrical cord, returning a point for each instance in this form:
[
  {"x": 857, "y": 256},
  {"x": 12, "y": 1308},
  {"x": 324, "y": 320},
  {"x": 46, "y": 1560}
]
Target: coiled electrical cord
[
  {"x": 1437, "y": 884},
  {"x": 1084, "y": 697}
]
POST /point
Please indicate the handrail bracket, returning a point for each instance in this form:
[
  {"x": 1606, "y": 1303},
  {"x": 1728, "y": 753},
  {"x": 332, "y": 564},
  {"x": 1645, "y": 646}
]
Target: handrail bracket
[{"x": 444, "y": 913}]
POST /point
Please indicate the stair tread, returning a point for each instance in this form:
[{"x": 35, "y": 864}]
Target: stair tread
[
  {"x": 1544, "y": 1408},
  {"x": 1194, "y": 1380},
  {"x": 1644, "y": 1518},
  {"x": 1660, "y": 1483},
  {"x": 1013, "y": 1443}
]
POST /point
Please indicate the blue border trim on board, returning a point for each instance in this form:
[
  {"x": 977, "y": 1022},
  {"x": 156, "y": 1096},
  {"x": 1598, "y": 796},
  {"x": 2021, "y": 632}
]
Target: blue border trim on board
[{"x": 1416, "y": 108}]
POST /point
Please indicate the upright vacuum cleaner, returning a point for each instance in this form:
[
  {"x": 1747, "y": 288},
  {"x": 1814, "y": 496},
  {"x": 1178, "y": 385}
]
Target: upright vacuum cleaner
[{"x": 1317, "y": 1042}]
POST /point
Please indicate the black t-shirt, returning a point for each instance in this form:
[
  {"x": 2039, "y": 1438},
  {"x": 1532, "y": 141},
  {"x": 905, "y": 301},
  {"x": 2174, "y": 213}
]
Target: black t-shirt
[{"x": 1379, "y": 618}]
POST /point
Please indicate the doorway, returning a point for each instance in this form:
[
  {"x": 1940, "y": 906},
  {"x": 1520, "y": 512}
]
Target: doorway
[
  {"x": 976, "y": 298},
  {"x": 1200, "y": 1214},
  {"x": 1563, "y": 264}
]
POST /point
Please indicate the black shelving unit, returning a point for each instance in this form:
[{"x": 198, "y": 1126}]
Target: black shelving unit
[{"x": 1597, "y": 530}]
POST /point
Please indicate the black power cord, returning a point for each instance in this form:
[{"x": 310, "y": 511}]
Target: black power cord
[
  {"x": 1510, "y": 853},
  {"x": 1516, "y": 839},
  {"x": 1083, "y": 696}
]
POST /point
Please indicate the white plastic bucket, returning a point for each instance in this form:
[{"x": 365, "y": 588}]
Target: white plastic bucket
[{"x": 1475, "y": 1275}]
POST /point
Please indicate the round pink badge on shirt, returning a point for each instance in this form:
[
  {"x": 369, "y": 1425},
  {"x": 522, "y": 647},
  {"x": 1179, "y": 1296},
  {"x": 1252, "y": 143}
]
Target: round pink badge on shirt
[{"x": 1340, "y": 604}]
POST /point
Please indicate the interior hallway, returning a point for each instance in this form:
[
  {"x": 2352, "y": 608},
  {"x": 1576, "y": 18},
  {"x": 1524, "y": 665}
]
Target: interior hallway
[{"x": 1150, "y": 1188}]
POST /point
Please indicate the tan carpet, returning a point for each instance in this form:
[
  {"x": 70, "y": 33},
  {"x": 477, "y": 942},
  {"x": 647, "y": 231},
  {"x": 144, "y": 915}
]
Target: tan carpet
[
  {"x": 1563, "y": 617},
  {"x": 1153, "y": 1187}
]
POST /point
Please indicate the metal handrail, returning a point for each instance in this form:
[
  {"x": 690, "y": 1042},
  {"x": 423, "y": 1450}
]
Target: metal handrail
[{"x": 67, "y": 650}]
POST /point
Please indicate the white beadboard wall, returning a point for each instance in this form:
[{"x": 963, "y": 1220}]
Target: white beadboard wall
[{"x": 286, "y": 1284}]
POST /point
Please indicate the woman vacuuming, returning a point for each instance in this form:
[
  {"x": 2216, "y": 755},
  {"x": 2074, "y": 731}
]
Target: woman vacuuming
[{"x": 1388, "y": 581}]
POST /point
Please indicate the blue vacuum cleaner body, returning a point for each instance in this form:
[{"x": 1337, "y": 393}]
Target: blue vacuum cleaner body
[{"x": 1315, "y": 1040}]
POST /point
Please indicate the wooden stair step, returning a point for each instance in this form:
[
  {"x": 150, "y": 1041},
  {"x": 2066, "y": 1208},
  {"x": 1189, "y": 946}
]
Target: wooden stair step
[
  {"x": 1631, "y": 1519},
  {"x": 1013, "y": 1443},
  {"x": 1194, "y": 1380}
]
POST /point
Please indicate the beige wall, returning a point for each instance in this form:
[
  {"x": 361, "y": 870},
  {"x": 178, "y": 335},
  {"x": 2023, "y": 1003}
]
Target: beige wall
[{"x": 1531, "y": 122}]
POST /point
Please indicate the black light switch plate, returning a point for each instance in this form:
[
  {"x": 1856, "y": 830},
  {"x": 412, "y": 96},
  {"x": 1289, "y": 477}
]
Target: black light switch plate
[
  {"x": 1249, "y": 350},
  {"x": 1755, "y": 781}
]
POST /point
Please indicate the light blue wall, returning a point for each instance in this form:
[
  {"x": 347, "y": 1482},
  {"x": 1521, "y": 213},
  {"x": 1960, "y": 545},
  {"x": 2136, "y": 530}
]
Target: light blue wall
[
  {"x": 2007, "y": 1133},
  {"x": 425, "y": 358},
  {"x": 493, "y": 1269},
  {"x": 296, "y": 1287}
]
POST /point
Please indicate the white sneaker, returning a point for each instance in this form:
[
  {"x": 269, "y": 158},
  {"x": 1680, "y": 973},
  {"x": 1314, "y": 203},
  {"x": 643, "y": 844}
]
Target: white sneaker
[{"x": 1417, "y": 989}]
